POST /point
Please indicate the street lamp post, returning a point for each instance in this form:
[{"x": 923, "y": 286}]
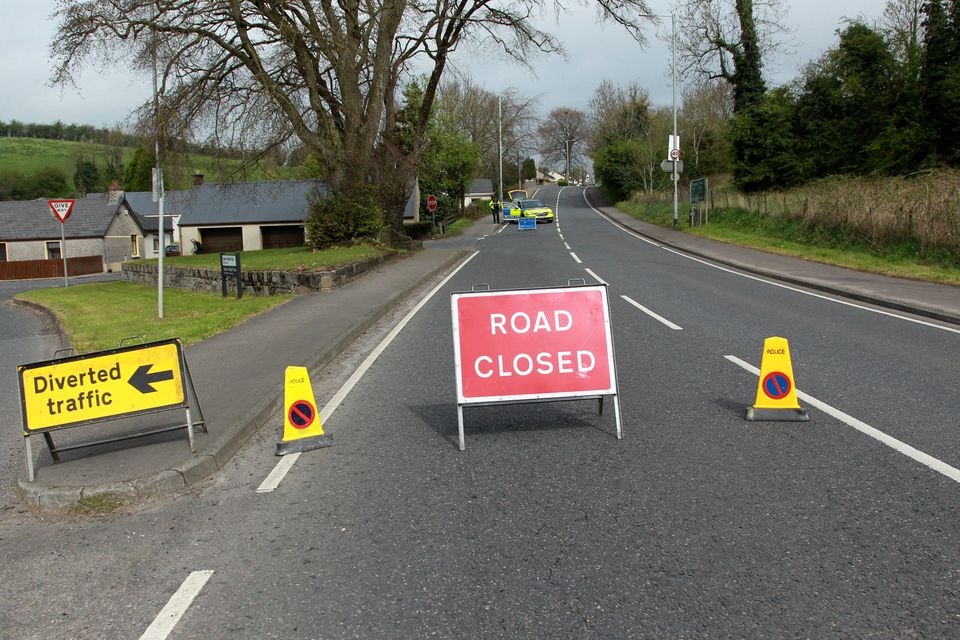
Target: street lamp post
[{"x": 673, "y": 75}]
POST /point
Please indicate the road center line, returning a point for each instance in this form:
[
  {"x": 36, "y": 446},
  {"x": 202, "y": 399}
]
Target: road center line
[
  {"x": 178, "y": 604},
  {"x": 281, "y": 468},
  {"x": 925, "y": 459},
  {"x": 567, "y": 246},
  {"x": 652, "y": 314},
  {"x": 501, "y": 228},
  {"x": 579, "y": 261},
  {"x": 596, "y": 277}
]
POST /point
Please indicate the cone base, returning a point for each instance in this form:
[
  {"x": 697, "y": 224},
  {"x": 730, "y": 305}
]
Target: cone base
[
  {"x": 777, "y": 415},
  {"x": 304, "y": 444}
]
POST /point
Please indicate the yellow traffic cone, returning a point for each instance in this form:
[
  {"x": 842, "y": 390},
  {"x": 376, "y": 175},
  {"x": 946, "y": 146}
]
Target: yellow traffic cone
[
  {"x": 776, "y": 392},
  {"x": 302, "y": 430}
]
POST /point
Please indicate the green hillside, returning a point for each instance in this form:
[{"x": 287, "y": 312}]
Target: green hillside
[{"x": 29, "y": 155}]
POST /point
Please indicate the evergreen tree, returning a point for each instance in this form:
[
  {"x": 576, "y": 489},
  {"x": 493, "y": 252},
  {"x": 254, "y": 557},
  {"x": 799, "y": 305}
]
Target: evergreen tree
[{"x": 138, "y": 175}]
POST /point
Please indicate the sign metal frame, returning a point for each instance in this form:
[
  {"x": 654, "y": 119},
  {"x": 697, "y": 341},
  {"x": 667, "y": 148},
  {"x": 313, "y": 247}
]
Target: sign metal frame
[
  {"x": 187, "y": 393},
  {"x": 559, "y": 396}
]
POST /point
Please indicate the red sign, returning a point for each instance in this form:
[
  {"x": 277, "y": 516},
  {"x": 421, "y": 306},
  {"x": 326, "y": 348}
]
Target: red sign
[
  {"x": 533, "y": 344},
  {"x": 431, "y": 202},
  {"x": 61, "y": 209}
]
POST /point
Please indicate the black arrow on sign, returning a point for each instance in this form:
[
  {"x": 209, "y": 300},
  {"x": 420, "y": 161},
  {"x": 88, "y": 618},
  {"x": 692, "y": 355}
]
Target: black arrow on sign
[{"x": 142, "y": 379}]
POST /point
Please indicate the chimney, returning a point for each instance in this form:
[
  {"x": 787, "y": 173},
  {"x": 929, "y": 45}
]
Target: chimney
[
  {"x": 114, "y": 193},
  {"x": 197, "y": 179}
]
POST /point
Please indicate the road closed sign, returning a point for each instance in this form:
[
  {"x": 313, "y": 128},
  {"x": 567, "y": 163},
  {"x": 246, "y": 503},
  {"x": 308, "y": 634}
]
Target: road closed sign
[{"x": 533, "y": 344}]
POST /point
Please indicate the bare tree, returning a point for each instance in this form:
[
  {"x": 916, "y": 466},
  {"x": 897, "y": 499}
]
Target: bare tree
[
  {"x": 902, "y": 23},
  {"x": 728, "y": 39},
  {"x": 707, "y": 108},
  {"x": 617, "y": 114},
  {"x": 562, "y": 136},
  {"x": 266, "y": 73}
]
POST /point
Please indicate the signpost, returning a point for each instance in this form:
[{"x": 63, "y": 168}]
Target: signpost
[
  {"x": 535, "y": 345},
  {"x": 698, "y": 197},
  {"x": 105, "y": 385},
  {"x": 432, "y": 206},
  {"x": 230, "y": 268},
  {"x": 61, "y": 209},
  {"x": 526, "y": 223}
]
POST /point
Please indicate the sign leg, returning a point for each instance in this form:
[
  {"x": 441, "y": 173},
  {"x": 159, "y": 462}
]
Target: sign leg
[
  {"x": 29, "y": 453},
  {"x": 460, "y": 426},
  {"x": 190, "y": 431},
  {"x": 616, "y": 413}
]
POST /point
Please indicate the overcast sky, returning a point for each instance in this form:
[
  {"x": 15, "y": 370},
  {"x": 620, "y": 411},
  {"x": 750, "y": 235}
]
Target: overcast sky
[{"x": 594, "y": 52}]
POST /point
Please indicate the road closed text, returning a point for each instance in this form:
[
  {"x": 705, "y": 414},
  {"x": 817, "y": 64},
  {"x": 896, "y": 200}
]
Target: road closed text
[{"x": 532, "y": 344}]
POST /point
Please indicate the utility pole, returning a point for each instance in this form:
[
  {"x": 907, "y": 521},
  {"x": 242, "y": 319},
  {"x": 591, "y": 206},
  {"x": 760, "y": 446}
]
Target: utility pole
[
  {"x": 158, "y": 190},
  {"x": 500, "y": 147},
  {"x": 673, "y": 65}
]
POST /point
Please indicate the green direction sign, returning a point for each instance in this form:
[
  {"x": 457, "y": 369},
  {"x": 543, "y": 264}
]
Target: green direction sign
[{"x": 698, "y": 190}]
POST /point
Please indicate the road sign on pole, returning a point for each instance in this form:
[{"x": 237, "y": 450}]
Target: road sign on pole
[
  {"x": 432, "y": 202},
  {"x": 61, "y": 209}
]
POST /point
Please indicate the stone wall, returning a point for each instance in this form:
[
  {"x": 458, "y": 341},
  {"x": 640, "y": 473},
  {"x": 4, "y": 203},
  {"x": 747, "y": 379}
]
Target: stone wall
[{"x": 264, "y": 283}]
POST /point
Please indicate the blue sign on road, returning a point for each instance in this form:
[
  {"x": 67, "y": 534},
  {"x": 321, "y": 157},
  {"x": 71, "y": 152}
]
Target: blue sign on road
[{"x": 526, "y": 223}]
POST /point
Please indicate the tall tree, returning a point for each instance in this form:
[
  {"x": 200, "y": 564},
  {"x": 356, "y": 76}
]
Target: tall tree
[
  {"x": 617, "y": 114},
  {"x": 562, "y": 136},
  {"x": 728, "y": 40},
  {"x": 321, "y": 72}
]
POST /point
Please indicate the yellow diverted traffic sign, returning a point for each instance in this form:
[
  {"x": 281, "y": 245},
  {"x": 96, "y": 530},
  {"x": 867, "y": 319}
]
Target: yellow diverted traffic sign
[{"x": 82, "y": 389}]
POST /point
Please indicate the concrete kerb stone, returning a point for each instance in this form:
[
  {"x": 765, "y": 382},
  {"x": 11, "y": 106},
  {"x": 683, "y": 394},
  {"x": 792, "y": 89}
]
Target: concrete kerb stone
[
  {"x": 810, "y": 284},
  {"x": 196, "y": 468},
  {"x": 164, "y": 482},
  {"x": 49, "y": 319}
]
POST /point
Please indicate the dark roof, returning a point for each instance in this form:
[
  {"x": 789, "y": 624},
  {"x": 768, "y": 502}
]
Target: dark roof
[
  {"x": 147, "y": 211},
  {"x": 33, "y": 219},
  {"x": 481, "y": 186},
  {"x": 245, "y": 203}
]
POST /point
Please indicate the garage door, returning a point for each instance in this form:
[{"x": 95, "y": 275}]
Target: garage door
[
  {"x": 283, "y": 237},
  {"x": 221, "y": 239}
]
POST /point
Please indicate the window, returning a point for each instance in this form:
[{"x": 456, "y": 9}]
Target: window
[
  {"x": 134, "y": 247},
  {"x": 3, "y": 251},
  {"x": 156, "y": 244},
  {"x": 53, "y": 250}
]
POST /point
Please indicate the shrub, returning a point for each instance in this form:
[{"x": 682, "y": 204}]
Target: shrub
[
  {"x": 418, "y": 230},
  {"x": 342, "y": 217}
]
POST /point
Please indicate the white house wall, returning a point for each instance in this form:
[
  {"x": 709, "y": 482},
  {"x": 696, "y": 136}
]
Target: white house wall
[{"x": 252, "y": 238}]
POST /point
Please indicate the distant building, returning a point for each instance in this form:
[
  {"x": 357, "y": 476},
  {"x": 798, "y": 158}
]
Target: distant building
[
  {"x": 97, "y": 226},
  {"x": 480, "y": 189}
]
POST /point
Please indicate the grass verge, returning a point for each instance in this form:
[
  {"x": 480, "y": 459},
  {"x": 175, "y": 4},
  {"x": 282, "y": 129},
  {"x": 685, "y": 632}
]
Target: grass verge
[
  {"x": 840, "y": 247},
  {"x": 98, "y": 315},
  {"x": 292, "y": 259},
  {"x": 98, "y": 505}
]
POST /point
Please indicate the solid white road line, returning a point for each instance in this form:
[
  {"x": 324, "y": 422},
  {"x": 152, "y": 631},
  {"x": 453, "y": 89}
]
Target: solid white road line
[
  {"x": 272, "y": 481},
  {"x": 277, "y": 474},
  {"x": 770, "y": 282},
  {"x": 652, "y": 314},
  {"x": 596, "y": 277},
  {"x": 579, "y": 261},
  {"x": 502, "y": 228},
  {"x": 168, "y": 617},
  {"x": 925, "y": 459}
]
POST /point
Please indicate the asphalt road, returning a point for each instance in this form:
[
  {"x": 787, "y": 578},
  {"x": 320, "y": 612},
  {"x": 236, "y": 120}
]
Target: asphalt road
[{"x": 698, "y": 524}]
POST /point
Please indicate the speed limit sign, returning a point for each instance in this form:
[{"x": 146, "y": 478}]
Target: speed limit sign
[{"x": 676, "y": 154}]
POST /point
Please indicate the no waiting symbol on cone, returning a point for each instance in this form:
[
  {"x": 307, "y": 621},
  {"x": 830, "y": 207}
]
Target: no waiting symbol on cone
[{"x": 302, "y": 414}]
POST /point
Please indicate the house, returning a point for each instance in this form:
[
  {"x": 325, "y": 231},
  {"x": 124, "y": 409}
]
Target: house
[
  {"x": 480, "y": 189},
  {"x": 244, "y": 216},
  {"x": 98, "y": 226},
  {"x": 148, "y": 215}
]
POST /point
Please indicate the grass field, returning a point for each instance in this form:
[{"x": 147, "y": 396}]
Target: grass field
[
  {"x": 27, "y": 155},
  {"x": 133, "y": 312}
]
